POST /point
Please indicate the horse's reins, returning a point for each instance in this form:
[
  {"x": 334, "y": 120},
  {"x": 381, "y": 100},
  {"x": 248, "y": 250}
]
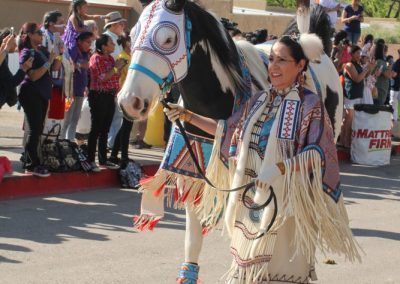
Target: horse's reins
[{"x": 165, "y": 87}]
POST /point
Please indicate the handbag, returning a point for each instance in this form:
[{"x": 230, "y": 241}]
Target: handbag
[{"x": 59, "y": 155}]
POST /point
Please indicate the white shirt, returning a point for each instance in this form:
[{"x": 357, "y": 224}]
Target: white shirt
[
  {"x": 332, "y": 15},
  {"x": 118, "y": 48}
]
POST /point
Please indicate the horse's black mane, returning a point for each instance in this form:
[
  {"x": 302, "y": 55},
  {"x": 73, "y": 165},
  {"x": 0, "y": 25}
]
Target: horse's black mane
[
  {"x": 204, "y": 28},
  {"x": 319, "y": 24}
]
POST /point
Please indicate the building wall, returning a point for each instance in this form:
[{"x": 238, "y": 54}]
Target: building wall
[
  {"x": 252, "y": 4},
  {"x": 11, "y": 13}
]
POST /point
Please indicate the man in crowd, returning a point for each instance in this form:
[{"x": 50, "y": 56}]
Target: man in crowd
[{"x": 114, "y": 27}]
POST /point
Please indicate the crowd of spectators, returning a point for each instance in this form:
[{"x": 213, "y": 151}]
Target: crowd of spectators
[
  {"x": 62, "y": 62},
  {"x": 369, "y": 75}
]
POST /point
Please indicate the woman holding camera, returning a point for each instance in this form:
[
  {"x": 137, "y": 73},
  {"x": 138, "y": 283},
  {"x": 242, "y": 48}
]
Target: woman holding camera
[
  {"x": 8, "y": 81},
  {"x": 35, "y": 91},
  {"x": 354, "y": 75}
]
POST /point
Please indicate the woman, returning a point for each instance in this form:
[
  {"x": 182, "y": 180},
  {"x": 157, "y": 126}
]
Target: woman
[
  {"x": 280, "y": 141},
  {"x": 8, "y": 81},
  {"x": 35, "y": 91},
  {"x": 354, "y": 75},
  {"x": 80, "y": 57},
  {"x": 384, "y": 74},
  {"x": 340, "y": 54},
  {"x": 368, "y": 41},
  {"x": 351, "y": 18},
  {"x": 104, "y": 84}
]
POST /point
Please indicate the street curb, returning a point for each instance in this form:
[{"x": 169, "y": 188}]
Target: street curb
[{"x": 29, "y": 186}]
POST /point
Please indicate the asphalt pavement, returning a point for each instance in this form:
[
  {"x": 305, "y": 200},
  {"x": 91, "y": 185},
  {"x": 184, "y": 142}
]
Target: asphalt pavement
[{"x": 87, "y": 237}]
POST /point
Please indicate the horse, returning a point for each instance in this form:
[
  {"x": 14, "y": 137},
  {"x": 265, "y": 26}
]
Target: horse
[
  {"x": 180, "y": 42},
  {"x": 176, "y": 41}
]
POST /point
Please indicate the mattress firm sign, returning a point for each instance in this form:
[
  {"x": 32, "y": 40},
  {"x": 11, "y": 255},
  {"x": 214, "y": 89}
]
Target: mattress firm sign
[{"x": 378, "y": 139}]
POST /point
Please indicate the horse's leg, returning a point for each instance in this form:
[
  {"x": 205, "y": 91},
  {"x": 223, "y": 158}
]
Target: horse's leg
[
  {"x": 193, "y": 242},
  {"x": 193, "y": 237}
]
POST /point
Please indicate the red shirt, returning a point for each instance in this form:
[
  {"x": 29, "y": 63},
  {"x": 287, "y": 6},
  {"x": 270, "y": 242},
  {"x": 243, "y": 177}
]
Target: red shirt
[{"x": 99, "y": 66}]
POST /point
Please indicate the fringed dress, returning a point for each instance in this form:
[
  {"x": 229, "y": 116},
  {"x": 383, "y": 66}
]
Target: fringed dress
[
  {"x": 281, "y": 267},
  {"x": 310, "y": 207}
]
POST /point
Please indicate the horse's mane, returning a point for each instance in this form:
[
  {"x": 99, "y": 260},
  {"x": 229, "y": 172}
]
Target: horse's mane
[
  {"x": 210, "y": 34},
  {"x": 319, "y": 24}
]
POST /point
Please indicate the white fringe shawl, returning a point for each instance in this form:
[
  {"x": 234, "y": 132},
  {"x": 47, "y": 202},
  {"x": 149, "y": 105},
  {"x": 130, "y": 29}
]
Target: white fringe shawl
[{"x": 319, "y": 221}]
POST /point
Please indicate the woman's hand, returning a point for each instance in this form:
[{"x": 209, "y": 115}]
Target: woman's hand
[
  {"x": 119, "y": 64},
  {"x": 11, "y": 43},
  {"x": 268, "y": 175},
  {"x": 174, "y": 112},
  {"x": 27, "y": 65}
]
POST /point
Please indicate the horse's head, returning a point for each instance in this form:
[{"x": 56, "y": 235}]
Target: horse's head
[{"x": 160, "y": 52}]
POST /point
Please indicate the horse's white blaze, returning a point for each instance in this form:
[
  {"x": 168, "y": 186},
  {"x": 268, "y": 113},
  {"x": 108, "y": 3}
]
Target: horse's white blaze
[{"x": 140, "y": 86}]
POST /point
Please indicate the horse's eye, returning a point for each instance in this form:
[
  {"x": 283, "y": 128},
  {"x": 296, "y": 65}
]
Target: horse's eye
[{"x": 165, "y": 38}]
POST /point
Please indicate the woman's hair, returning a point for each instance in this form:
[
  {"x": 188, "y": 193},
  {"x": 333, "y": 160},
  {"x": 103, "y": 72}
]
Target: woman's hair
[
  {"x": 341, "y": 35},
  {"x": 368, "y": 38},
  {"x": 100, "y": 41},
  {"x": 51, "y": 17},
  {"x": 354, "y": 49},
  {"x": 124, "y": 40},
  {"x": 84, "y": 36},
  {"x": 24, "y": 40},
  {"x": 75, "y": 4},
  {"x": 295, "y": 49},
  {"x": 379, "y": 51}
]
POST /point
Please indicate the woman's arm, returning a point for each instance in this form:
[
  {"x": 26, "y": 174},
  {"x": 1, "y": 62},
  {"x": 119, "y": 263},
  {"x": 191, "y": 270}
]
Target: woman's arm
[
  {"x": 75, "y": 24},
  {"x": 353, "y": 74},
  {"x": 206, "y": 124},
  {"x": 346, "y": 19},
  {"x": 36, "y": 74}
]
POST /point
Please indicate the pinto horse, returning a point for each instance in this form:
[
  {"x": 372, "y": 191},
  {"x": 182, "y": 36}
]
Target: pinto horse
[
  {"x": 179, "y": 42},
  {"x": 176, "y": 41}
]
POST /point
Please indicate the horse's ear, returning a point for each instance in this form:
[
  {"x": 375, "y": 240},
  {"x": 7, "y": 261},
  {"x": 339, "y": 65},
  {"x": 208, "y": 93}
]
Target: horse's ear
[
  {"x": 175, "y": 5},
  {"x": 145, "y": 2}
]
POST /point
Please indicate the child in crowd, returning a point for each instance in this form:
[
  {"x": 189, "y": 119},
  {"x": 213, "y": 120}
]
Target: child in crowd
[{"x": 75, "y": 26}]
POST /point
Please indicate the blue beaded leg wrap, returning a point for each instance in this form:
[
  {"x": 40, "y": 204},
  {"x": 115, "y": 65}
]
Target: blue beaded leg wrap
[{"x": 188, "y": 274}]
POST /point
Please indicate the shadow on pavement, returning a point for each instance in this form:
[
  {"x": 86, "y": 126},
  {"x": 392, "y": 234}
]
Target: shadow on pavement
[
  {"x": 86, "y": 215},
  {"x": 376, "y": 233},
  {"x": 366, "y": 182}
]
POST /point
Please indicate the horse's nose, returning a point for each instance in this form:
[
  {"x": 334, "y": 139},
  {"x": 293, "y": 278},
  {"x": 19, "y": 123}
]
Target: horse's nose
[{"x": 137, "y": 104}]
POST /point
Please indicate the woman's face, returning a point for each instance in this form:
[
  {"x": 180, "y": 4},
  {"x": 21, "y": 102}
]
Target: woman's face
[
  {"x": 282, "y": 69},
  {"x": 109, "y": 47},
  {"x": 36, "y": 36},
  {"x": 355, "y": 2},
  {"x": 82, "y": 9},
  {"x": 356, "y": 56}
]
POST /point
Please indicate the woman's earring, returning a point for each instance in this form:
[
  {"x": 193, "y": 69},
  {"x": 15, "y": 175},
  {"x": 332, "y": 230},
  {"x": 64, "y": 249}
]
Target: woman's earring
[{"x": 301, "y": 79}]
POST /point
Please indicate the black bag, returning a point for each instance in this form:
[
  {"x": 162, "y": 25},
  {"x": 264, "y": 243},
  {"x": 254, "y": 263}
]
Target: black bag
[
  {"x": 131, "y": 175},
  {"x": 59, "y": 155}
]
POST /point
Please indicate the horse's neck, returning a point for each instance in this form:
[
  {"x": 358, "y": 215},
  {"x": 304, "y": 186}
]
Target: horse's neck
[{"x": 203, "y": 92}]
